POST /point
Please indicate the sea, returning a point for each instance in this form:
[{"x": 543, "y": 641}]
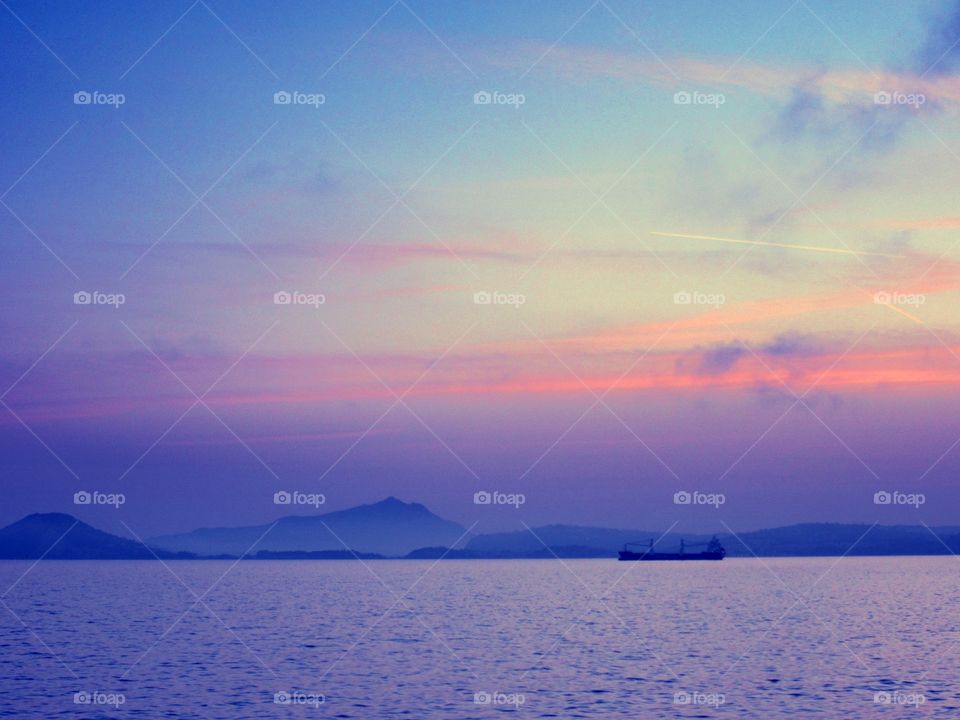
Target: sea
[{"x": 742, "y": 638}]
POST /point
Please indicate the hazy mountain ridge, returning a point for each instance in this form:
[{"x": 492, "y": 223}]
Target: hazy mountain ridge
[
  {"x": 607, "y": 540},
  {"x": 819, "y": 539},
  {"x": 390, "y": 527},
  {"x": 57, "y": 536},
  {"x": 804, "y": 539},
  {"x": 393, "y": 529}
]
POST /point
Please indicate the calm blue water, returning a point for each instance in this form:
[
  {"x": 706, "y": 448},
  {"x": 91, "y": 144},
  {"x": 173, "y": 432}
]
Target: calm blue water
[{"x": 476, "y": 639}]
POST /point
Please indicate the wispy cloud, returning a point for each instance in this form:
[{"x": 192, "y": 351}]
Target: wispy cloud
[{"x": 852, "y": 84}]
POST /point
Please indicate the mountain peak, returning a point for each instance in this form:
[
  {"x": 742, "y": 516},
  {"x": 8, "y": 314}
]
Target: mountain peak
[
  {"x": 394, "y": 502},
  {"x": 62, "y": 536},
  {"x": 51, "y": 517},
  {"x": 388, "y": 527},
  {"x": 393, "y": 505}
]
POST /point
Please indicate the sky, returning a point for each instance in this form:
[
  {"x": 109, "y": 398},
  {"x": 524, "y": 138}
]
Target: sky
[{"x": 592, "y": 253}]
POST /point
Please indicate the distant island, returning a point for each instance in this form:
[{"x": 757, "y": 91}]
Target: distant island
[{"x": 393, "y": 529}]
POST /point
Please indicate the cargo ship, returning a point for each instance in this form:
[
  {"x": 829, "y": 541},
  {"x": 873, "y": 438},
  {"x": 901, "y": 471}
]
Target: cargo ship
[{"x": 713, "y": 551}]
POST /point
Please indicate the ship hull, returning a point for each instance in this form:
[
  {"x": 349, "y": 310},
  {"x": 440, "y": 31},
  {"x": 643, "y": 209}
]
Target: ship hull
[{"x": 653, "y": 556}]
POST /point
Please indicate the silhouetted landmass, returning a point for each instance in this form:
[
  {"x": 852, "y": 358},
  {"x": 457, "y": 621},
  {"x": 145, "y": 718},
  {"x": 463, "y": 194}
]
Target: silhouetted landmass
[
  {"x": 436, "y": 553},
  {"x": 562, "y": 551},
  {"x": 803, "y": 540},
  {"x": 312, "y": 555},
  {"x": 390, "y": 527},
  {"x": 57, "y": 536},
  {"x": 396, "y": 527},
  {"x": 524, "y": 543},
  {"x": 829, "y": 539}
]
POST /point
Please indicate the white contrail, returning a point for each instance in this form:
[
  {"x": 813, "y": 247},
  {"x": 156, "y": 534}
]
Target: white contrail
[{"x": 813, "y": 248}]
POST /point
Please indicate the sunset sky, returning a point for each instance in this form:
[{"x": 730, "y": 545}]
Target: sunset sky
[{"x": 655, "y": 339}]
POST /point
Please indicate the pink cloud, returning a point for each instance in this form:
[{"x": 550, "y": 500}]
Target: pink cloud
[{"x": 853, "y": 84}]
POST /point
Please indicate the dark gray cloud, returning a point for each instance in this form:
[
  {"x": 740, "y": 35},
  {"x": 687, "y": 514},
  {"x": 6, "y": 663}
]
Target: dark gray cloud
[
  {"x": 722, "y": 358},
  {"x": 792, "y": 345},
  {"x": 940, "y": 52},
  {"x": 808, "y": 115}
]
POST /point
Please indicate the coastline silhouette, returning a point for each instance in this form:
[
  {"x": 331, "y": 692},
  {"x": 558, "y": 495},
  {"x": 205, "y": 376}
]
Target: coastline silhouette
[{"x": 393, "y": 529}]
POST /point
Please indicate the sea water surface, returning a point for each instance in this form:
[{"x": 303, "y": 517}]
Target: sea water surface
[{"x": 770, "y": 638}]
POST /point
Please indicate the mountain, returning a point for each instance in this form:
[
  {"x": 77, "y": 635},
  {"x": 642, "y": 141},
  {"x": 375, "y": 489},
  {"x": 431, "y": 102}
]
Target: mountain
[
  {"x": 390, "y": 527},
  {"x": 57, "y": 536},
  {"x": 313, "y": 555},
  {"x": 520, "y": 543},
  {"x": 831, "y": 539},
  {"x": 807, "y": 539}
]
